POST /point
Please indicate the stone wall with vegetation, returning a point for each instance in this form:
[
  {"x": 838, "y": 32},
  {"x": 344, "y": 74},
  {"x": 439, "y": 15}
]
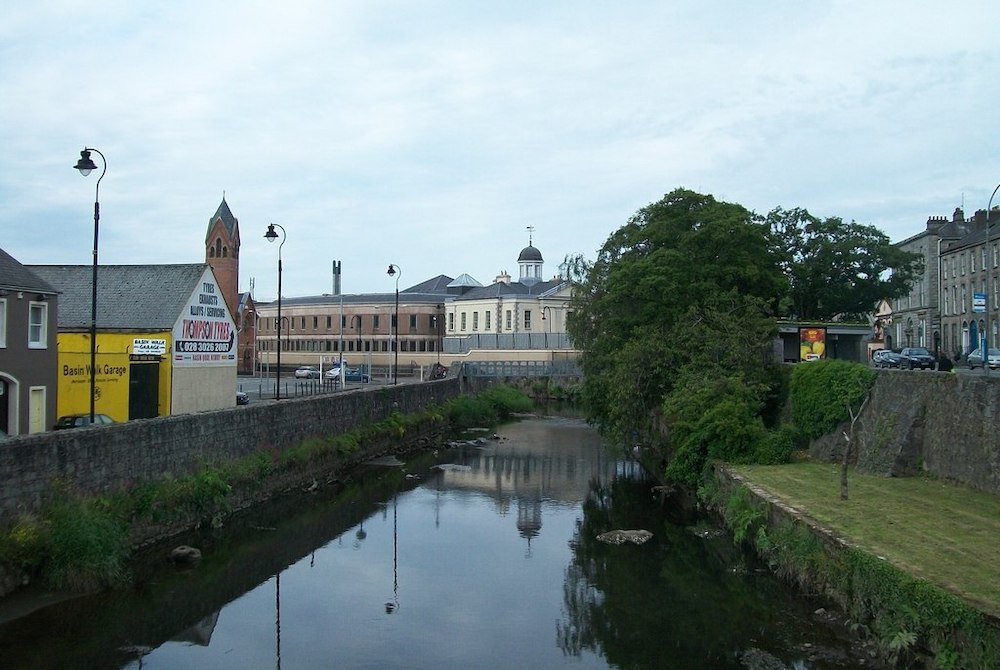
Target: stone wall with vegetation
[
  {"x": 944, "y": 423},
  {"x": 110, "y": 458}
]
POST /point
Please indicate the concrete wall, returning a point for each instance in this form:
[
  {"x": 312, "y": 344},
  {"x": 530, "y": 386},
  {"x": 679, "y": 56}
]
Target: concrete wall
[
  {"x": 944, "y": 423},
  {"x": 108, "y": 458}
]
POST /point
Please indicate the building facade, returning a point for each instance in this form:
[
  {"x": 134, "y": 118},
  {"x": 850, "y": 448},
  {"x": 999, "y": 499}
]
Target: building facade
[
  {"x": 166, "y": 343},
  {"x": 29, "y": 308},
  {"x": 441, "y": 320}
]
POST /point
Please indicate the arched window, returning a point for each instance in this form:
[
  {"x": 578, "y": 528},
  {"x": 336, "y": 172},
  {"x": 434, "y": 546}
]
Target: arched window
[
  {"x": 218, "y": 247},
  {"x": 225, "y": 252}
]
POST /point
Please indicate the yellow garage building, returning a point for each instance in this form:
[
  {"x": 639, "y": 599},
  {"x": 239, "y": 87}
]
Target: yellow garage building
[{"x": 166, "y": 341}]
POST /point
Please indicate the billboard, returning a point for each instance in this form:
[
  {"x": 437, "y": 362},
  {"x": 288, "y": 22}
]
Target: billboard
[
  {"x": 812, "y": 343},
  {"x": 205, "y": 334}
]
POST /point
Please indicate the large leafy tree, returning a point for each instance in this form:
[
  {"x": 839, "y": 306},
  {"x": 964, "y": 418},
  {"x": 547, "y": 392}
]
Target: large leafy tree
[
  {"x": 837, "y": 269},
  {"x": 655, "y": 297}
]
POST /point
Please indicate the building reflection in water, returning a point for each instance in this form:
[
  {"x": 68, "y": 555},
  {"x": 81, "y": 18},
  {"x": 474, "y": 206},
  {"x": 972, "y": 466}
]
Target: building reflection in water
[{"x": 527, "y": 468}]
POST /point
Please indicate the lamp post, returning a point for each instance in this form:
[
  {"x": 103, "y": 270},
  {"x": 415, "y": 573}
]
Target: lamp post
[
  {"x": 86, "y": 165},
  {"x": 271, "y": 235},
  {"x": 394, "y": 271},
  {"x": 987, "y": 342}
]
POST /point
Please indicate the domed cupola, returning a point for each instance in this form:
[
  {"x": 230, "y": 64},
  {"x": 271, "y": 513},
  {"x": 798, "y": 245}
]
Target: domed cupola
[{"x": 530, "y": 262}]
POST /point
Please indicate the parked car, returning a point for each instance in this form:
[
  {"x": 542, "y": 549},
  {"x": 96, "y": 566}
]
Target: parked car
[
  {"x": 885, "y": 358},
  {"x": 356, "y": 375},
  {"x": 332, "y": 373},
  {"x": 242, "y": 398},
  {"x": 307, "y": 372},
  {"x": 81, "y": 420},
  {"x": 916, "y": 357},
  {"x": 975, "y": 359}
]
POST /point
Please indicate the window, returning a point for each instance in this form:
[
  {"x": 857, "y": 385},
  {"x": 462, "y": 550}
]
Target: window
[
  {"x": 328, "y": 322},
  {"x": 413, "y": 322},
  {"x": 375, "y": 319},
  {"x": 38, "y": 314},
  {"x": 463, "y": 321},
  {"x": 3, "y": 324},
  {"x": 527, "y": 319},
  {"x": 982, "y": 259},
  {"x": 487, "y": 321},
  {"x": 475, "y": 321},
  {"x": 451, "y": 321},
  {"x": 507, "y": 320},
  {"x": 315, "y": 322}
]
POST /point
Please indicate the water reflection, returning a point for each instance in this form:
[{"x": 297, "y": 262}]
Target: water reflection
[{"x": 490, "y": 555}]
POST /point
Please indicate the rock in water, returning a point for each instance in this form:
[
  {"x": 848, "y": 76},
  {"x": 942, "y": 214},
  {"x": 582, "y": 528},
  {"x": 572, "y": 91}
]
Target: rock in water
[
  {"x": 623, "y": 536},
  {"x": 185, "y": 555}
]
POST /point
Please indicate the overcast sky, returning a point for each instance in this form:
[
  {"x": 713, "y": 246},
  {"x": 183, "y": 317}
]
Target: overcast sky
[{"x": 432, "y": 134}]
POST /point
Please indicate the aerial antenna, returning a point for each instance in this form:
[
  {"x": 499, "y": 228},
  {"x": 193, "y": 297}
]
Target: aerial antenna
[{"x": 530, "y": 229}]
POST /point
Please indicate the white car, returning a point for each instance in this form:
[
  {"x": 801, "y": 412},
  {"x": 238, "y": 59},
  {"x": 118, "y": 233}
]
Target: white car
[
  {"x": 975, "y": 359},
  {"x": 307, "y": 372},
  {"x": 332, "y": 373}
]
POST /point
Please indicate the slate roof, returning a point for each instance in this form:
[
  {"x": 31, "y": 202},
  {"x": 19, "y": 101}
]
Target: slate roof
[
  {"x": 503, "y": 289},
  {"x": 228, "y": 220},
  {"x": 17, "y": 277},
  {"x": 129, "y": 297},
  {"x": 437, "y": 284}
]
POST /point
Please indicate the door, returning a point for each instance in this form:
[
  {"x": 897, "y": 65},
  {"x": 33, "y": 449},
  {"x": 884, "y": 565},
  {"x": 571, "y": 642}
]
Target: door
[
  {"x": 36, "y": 409},
  {"x": 143, "y": 390}
]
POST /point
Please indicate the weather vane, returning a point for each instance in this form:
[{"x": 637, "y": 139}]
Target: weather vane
[{"x": 530, "y": 229}]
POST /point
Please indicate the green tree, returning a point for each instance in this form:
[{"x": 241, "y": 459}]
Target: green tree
[
  {"x": 838, "y": 269},
  {"x": 657, "y": 294}
]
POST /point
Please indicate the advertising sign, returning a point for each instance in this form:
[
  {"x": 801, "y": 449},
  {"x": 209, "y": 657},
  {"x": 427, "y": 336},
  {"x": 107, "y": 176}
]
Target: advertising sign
[
  {"x": 812, "y": 344},
  {"x": 205, "y": 334},
  {"x": 143, "y": 345}
]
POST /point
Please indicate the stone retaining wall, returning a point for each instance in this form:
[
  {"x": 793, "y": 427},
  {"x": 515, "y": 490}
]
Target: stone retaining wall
[
  {"x": 109, "y": 458},
  {"x": 944, "y": 423}
]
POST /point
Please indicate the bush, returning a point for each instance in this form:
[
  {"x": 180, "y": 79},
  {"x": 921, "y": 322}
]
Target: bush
[{"x": 822, "y": 391}]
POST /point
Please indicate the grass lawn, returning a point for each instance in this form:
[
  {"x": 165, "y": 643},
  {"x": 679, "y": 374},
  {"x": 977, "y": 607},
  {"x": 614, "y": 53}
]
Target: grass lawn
[{"x": 943, "y": 533}]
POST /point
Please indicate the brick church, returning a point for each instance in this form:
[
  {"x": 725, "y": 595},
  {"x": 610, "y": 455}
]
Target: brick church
[{"x": 222, "y": 252}]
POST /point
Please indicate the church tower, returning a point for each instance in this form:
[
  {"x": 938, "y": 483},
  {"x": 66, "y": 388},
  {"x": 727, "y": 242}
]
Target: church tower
[{"x": 222, "y": 252}]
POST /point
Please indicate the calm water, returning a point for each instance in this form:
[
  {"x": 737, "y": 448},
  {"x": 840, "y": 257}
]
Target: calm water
[{"x": 479, "y": 557}]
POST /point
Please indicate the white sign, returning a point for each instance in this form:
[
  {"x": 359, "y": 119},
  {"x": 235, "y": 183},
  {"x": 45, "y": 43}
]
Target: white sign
[
  {"x": 205, "y": 335},
  {"x": 147, "y": 346}
]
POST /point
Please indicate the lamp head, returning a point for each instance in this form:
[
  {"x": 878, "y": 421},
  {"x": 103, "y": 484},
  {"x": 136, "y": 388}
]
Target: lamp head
[
  {"x": 271, "y": 235},
  {"x": 392, "y": 270},
  {"x": 86, "y": 164}
]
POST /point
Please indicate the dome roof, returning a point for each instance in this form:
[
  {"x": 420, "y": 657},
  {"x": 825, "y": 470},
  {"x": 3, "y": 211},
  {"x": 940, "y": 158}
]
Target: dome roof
[{"x": 529, "y": 253}]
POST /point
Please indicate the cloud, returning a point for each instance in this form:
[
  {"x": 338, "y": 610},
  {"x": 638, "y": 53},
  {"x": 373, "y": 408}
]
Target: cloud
[{"x": 430, "y": 134}]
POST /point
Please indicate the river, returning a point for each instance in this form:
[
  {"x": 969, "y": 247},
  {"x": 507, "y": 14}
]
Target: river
[{"x": 483, "y": 555}]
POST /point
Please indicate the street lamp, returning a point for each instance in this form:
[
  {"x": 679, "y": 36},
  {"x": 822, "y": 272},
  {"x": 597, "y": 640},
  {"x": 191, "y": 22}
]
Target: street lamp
[
  {"x": 271, "y": 235},
  {"x": 394, "y": 271},
  {"x": 86, "y": 165},
  {"x": 989, "y": 251}
]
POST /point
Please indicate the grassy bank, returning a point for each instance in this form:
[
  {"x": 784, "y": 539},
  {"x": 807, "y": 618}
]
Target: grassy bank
[
  {"x": 945, "y": 534},
  {"x": 918, "y": 575}
]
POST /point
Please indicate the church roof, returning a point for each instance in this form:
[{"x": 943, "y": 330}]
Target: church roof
[
  {"x": 529, "y": 253},
  {"x": 228, "y": 220}
]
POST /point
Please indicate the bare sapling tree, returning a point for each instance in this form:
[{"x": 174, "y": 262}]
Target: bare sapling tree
[{"x": 849, "y": 439}]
